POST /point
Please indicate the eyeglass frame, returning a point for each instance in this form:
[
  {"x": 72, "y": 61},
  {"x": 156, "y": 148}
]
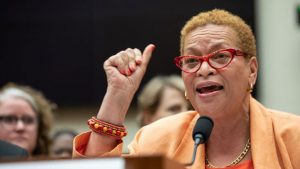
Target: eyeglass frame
[
  {"x": 205, "y": 58},
  {"x": 16, "y": 119}
]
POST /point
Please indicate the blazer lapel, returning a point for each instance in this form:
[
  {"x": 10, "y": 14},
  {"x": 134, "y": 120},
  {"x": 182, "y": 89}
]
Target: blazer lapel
[
  {"x": 184, "y": 152},
  {"x": 263, "y": 145}
]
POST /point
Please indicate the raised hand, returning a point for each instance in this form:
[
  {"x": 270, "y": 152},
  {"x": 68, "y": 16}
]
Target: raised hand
[{"x": 125, "y": 70}]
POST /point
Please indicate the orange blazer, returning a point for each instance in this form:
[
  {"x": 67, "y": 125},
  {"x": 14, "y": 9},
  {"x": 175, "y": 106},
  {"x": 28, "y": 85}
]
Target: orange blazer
[{"x": 275, "y": 139}]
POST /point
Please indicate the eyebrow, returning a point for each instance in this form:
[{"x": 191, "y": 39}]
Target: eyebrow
[{"x": 214, "y": 47}]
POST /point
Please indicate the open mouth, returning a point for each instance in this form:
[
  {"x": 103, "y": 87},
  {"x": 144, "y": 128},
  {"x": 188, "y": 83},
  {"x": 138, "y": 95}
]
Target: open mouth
[{"x": 209, "y": 89}]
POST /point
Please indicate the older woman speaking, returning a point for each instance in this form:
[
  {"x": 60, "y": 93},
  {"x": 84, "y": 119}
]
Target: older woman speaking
[{"x": 219, "y": 69}]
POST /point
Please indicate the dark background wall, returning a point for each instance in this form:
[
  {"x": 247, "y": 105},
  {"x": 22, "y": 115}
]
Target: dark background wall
[{"x": 59, "y": 46}]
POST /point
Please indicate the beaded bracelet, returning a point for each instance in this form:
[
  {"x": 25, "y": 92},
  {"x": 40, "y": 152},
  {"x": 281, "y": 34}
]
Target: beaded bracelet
[{"x": 102, "y": 127}]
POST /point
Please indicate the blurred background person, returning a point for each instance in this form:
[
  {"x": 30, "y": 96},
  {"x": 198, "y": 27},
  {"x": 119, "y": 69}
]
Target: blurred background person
[
  {"x": 25, "y": 118},
  {"x": 62, "y": 142},
  {"x": 162, "y": 96}
]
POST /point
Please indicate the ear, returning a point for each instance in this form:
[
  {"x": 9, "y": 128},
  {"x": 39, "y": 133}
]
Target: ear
[{"x": 253, "y": 66}]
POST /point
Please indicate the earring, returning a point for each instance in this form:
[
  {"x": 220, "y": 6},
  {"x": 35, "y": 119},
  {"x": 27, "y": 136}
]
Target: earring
[
  {"x": 185, "y": 95},
  {"x": 250, "y": 89}
]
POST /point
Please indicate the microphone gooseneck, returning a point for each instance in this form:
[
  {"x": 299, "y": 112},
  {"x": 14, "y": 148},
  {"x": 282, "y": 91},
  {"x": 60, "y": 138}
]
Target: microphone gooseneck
[{"x": 201, "y": 133}]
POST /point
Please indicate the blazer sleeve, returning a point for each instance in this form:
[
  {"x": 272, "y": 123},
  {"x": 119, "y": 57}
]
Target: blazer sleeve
[{"x": 80, "y": 142}]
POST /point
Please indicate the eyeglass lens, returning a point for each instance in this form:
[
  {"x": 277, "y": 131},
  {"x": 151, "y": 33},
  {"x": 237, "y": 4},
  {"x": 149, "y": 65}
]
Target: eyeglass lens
[
  {"x": 216, "y": 60},
  {"x": 12, "y": 120}
]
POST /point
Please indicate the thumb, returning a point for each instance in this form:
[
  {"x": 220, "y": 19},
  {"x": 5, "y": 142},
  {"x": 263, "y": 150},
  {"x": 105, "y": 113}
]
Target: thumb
[{"x": 147, "y": 53}]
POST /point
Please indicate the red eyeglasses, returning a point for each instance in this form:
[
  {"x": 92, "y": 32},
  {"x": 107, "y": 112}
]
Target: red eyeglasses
[{"x": 217, "y": 60}]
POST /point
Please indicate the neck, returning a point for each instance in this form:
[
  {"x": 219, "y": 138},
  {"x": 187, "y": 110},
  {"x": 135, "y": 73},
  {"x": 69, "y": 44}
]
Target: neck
[
  {"x": 231, "y": 122},
  {"x": 228, "y": 139},
  {"x": 228, "y": 128}
]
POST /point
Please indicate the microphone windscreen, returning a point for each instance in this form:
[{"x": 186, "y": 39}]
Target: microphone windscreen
[{"x": 204, "y": 127}]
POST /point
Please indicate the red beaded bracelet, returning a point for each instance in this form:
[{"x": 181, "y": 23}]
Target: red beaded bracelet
[{"x": 102, "y": 127}]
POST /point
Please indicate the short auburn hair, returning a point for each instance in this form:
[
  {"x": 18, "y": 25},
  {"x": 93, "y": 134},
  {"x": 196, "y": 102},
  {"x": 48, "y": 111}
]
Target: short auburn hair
[{"x": 225, "y": 18}]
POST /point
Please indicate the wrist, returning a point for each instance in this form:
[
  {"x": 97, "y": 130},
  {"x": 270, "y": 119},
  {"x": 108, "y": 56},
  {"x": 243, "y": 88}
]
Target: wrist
[{"x": 114, "y": 107}]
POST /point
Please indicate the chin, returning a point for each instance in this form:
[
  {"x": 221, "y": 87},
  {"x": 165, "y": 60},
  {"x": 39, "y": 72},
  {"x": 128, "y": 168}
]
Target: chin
[{"x": 208, "y": 109}]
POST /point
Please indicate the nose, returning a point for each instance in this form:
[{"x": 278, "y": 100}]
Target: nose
[
  {"x": 20, "y": 125},
  {"x": 205, "y": 70}
]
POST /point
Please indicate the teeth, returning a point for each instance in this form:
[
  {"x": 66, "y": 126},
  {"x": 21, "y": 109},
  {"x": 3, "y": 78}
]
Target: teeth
[{"x": 209, "y": 89}]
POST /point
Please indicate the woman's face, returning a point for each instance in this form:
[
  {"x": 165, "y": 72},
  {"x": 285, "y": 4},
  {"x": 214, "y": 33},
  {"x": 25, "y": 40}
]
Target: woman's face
[
  {"x": 172, "y": 101},
  {"x": 218, "y": 92},
  {"x": 62, "y": 146},
  {"x": 18, "y": 123}
]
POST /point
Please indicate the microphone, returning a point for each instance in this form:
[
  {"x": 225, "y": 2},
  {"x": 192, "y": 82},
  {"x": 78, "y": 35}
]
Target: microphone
[{"x": 201, "y": 133}]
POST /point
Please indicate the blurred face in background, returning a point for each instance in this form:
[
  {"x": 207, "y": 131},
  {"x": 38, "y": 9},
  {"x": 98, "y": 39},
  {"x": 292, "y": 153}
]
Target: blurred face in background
[
  {"x": 62, "y": 146},
  {"x": 19, "y": 123},
  {"x": 172, "y": 101}
]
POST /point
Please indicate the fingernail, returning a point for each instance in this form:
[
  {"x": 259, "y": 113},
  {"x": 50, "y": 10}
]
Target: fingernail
[
  {"x": 139, "y": 61},
  {"x": 128, "y": 72},
  {"x": 132, "y": 67},
  {"x": 123, "y": 72}
]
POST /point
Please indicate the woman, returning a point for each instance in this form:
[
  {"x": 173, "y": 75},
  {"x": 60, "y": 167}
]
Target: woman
[
  {"x": 61, "y": 146},
  {"x": 162, "y": 96},
  {"x": 219, "y": 69},
  {"x": 25, "y": 118}
]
